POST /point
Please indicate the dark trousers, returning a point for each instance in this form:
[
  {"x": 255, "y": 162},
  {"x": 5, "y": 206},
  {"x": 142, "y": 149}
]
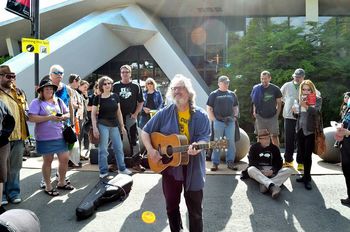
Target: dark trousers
[
  {"x": 306, "y": 145},
  {"x": 290, "y": 141},
  {"x": 172, "y": 192},
  {"x": 84, "y": 134},
  {"x": 345, "y": 161}
]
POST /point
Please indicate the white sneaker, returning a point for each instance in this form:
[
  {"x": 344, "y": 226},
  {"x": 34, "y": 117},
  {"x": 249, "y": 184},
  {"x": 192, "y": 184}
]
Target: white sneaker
[
  {"x": 4, "y": 202},
  {"x": 126, "y": 171},
  {"x": 103, "y": 175},
  {"x": 17, "y": 200},
  {"x": 42, "y": 183},
  {"x": 67, "y": 178}
]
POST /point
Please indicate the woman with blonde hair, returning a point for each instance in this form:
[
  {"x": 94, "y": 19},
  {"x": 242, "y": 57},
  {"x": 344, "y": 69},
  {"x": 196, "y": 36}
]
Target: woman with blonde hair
[
  {"x": 48, "y": 113},
  {"x": 152, "y": 101},
  {"x": 107, "y": 122},
  {"x": 307, "y": 113}
]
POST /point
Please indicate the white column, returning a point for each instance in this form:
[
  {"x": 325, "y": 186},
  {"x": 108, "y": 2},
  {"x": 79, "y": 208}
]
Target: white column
[
  {"x": 311, "y": 10},
  {"x": 12, "y": 47}
]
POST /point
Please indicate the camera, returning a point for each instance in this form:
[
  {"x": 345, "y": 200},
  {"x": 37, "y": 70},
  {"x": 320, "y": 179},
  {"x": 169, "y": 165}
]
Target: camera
[{"x": 59, "y": 114}]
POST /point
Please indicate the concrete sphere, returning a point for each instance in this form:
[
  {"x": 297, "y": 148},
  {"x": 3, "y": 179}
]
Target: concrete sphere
[
  {"x": 126, "y": 146},
  {"x": 332, "y": 154},
  {"x": 242, "y": 147}
]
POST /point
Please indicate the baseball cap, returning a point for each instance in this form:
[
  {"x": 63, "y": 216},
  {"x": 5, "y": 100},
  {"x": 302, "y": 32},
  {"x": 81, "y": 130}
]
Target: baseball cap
[
  {"x": 224, "y": 79},
  {"x": 299, "y": 73}
]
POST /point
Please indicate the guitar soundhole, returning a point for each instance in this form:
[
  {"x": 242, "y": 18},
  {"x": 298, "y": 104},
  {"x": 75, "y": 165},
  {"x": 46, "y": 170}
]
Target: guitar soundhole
[{"x": 165, "y": 157}]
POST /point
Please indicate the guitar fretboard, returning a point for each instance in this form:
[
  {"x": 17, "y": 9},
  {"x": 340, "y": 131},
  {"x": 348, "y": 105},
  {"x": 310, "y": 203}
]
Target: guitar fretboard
[{"x": 185, "y": 147}]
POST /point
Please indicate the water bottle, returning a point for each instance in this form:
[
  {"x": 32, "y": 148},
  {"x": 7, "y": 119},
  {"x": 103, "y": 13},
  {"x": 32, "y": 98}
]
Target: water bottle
[{"x": 296, "y": 106}]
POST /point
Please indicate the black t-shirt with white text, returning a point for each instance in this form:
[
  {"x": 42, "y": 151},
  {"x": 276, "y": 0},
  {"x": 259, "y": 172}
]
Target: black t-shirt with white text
[
  {"x": 129, "y": 94},
  {"x": 259, "y": 157}
]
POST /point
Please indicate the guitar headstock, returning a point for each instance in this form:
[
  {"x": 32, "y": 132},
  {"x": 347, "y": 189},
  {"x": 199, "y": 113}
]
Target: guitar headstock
[{"x": 219, "y": 144}]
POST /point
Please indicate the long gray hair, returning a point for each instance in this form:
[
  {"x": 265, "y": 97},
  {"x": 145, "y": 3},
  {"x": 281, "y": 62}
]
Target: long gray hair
[{"x": 184, "y": 81}]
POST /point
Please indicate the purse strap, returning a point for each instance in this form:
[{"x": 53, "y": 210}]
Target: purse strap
[{"x": 65, "y": 124}]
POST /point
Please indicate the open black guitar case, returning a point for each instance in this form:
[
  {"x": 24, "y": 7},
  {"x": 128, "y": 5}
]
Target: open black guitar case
[{"x": 106, "y": 190}]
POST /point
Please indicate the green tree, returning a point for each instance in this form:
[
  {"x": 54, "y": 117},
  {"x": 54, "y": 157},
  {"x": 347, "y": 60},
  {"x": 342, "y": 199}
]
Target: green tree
[
  {"x": 332, "y": 59},
  {"x": 277, "y": 48},
  {"x": 3, "y": 59}
]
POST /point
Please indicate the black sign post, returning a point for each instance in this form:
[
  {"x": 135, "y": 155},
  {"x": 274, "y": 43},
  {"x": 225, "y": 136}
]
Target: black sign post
[
  {"x": 36, "y": 33},
  {"x": 28, "y": 9}
]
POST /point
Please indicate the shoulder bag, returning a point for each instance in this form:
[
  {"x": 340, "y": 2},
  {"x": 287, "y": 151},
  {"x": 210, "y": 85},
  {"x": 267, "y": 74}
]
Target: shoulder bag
[
  {"x": 320, "y": 139},
  {"x": 68, "y": 133}
]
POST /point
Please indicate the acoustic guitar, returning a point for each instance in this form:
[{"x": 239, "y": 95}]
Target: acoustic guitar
[{"x": 173, "y": 150}]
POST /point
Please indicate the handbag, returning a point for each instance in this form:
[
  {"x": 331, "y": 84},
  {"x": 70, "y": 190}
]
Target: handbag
[
  {"x": 320, "y": 138},
  {"x": 92, "y": 138},
  {"x": 69, "y": 135}
]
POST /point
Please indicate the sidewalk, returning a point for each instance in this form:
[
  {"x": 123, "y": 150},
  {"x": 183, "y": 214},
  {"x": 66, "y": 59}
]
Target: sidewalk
[{"x": 229, "y": 203}]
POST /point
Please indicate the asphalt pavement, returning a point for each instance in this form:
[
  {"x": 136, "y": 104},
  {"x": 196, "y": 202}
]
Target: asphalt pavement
[{"x": 230, "y": 204}]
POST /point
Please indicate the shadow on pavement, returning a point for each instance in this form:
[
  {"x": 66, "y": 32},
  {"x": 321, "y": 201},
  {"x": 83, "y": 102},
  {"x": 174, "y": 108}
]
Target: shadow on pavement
[
  {"x": 153, "y": 201},
  {"x": 218, "y": 201}
]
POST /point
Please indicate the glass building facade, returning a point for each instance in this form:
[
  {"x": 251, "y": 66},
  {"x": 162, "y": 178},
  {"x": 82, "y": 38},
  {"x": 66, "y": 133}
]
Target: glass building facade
[{"x": 205, "y": 41}]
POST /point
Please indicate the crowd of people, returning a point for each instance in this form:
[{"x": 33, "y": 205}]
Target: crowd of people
[{"x": 113, "y": 110}]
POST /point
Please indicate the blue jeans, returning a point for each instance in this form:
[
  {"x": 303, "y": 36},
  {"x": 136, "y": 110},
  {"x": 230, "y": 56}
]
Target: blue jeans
[
  {"x": 112, "y": 133},
  {"x": 222, "y": 129},
  {"x": 12, "y": 185}
]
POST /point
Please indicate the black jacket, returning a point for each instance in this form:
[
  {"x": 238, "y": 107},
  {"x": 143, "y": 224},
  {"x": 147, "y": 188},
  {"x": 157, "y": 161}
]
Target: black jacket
[
  {"x": 259, "y": 156},
  {"x": 7, "y": 124}
]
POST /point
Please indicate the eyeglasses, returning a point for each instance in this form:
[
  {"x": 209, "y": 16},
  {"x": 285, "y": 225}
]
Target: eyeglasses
[
  {"x": 306, "y": 89},
  {"x": 264, "y": 137},
  {"x": 177, "y": 88},
  {"x": 58, "y": 73},
  {"x": 9, "y": 75},
  {"x": 107, "y": 83}
]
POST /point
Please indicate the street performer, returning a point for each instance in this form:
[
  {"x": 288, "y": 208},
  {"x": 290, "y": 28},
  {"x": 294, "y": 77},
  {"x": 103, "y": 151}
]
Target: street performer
[{"x": 181, "y": 117}]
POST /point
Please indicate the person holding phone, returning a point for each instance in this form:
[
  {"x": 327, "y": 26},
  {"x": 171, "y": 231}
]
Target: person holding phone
[
  {"x": 309, "y": 112},
  {"x": 48, "y": 113}
]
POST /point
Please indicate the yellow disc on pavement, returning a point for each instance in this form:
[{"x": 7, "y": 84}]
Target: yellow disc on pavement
[{"x": 148, "y": 217}]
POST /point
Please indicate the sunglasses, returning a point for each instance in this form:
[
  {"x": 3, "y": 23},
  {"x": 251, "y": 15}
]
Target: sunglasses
[
  {"x": 9, "y": 75},
  {"x": 107, "y": 83},
  {"x": 58, "y": 73},
  {"x": 177, "y": 88}
]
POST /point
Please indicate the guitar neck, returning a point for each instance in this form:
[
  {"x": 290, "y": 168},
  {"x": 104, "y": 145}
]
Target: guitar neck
[{"x": 185, "y": 147}]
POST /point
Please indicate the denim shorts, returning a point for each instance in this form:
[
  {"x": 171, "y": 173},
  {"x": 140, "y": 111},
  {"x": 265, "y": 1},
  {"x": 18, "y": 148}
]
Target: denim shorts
[{"x": 50, "y": 147}]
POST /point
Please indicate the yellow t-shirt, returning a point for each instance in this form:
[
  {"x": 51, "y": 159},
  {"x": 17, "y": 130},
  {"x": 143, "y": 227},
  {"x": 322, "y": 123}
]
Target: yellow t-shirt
[{"x": 184, "y": 118}]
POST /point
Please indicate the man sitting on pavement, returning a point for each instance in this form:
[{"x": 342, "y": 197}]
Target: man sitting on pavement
[{"x": 265, "y": 165}]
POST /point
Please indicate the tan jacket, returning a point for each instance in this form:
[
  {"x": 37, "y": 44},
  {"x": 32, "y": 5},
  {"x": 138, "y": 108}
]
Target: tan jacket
[{"x": 17, "y": 104}]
